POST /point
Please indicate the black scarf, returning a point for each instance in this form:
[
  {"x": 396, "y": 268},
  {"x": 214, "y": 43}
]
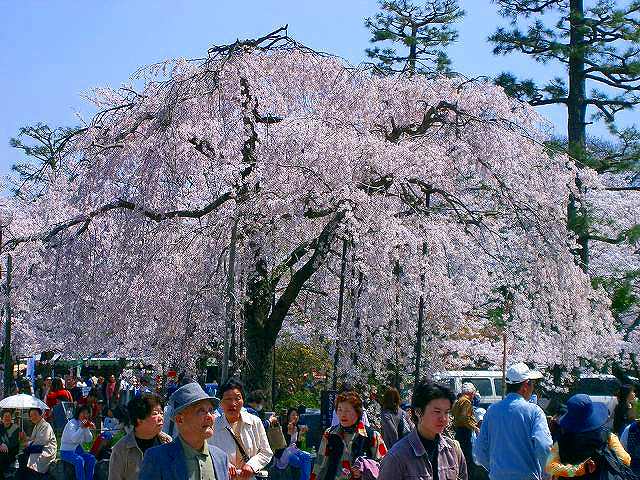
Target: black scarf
[{"x": 577, "y": 447}]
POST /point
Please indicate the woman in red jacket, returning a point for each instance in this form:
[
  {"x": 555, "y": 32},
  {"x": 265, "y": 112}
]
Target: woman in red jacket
[{"x": 57, "y": 394}]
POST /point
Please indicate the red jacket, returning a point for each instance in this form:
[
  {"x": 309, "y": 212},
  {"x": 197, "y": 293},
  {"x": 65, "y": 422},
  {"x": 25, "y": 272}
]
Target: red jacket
[{"x": 53, "y": 398}]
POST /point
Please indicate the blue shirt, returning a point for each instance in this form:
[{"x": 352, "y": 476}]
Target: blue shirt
[
  {"x": 265, "y": 423},
  {"x": 514, "y": 440}
]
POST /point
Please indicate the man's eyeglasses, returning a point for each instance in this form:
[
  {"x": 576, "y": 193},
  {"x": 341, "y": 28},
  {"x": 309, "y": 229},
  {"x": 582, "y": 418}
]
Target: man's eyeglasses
[{"x": 203, "y": 411}]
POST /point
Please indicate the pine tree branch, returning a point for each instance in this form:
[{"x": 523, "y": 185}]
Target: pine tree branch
[
  {"x": 548, "y": 101},
  {"x": 604, "y": 103},
  {"x": 513, "y": 8},
  {"x": 615, "y": 83}
]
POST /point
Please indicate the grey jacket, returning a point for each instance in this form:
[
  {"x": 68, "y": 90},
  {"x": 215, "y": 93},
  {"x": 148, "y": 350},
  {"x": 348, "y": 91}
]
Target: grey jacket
[
  {"x": 126, "y": 457},
  {"x": 166, "y": 462},
  {"x": 408, "y": 460},
  {"x": 395, "y": 425}
]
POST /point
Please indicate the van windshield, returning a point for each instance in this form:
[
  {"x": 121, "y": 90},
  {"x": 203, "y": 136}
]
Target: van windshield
[
  {"x": 483, "y": 385},
  {"x": 497, "y": 383}
]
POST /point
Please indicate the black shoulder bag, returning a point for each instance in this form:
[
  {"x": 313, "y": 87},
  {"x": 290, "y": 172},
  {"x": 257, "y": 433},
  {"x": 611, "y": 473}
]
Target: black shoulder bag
[{"x": 243, "y": 452}]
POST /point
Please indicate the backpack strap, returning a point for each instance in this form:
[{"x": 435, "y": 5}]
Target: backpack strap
[
  {"x": 457, "y": 448},
  {"x": 401, "y": 422}
]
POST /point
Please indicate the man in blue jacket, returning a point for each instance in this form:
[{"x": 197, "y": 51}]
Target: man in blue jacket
[
  {"x": 514, "y": 439},
  {"x": 188, "y": 456}
]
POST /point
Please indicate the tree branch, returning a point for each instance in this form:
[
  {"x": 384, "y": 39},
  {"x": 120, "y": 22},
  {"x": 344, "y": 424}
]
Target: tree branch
[
  {"x": 623, "y": 189},
  {"x": 300, "y": 277},
  {"x": 118, "y": 205}
]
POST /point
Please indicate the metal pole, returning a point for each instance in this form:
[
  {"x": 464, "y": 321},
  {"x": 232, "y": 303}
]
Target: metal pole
[
  {"x": 504, "y": 363},
  {"x": 273, "y": 380},
  {"x": 230, "y": 318},
  {"x": 336, "y": 355},
  {"x": 8, "y": 363},
  {"x": 418, "y": 349}
]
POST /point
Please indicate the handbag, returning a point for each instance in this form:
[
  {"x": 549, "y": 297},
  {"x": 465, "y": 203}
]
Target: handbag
[
  {"x": 370, "y": 469},
  {"x": 276, "y": 438}
]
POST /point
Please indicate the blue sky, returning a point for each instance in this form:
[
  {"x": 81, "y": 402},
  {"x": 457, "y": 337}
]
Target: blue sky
[{"x": 51, "y": 52}]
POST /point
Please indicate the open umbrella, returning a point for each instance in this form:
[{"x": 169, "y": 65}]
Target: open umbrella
[{"x": 22, "y": 401}]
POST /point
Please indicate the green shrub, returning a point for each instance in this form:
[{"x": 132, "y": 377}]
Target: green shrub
[{"x": 296, "y": 364}]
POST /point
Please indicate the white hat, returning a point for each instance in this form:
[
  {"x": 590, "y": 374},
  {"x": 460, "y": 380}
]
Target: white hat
[
  {"x": 479, "y": 413},
  {"x": 520, "y": 372},
  {"x": 468, "y": 387}
]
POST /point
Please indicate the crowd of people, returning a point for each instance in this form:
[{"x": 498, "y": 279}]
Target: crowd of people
[{"x": 225, "y": 434}]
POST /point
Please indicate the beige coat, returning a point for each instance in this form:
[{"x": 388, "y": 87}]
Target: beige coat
[
  {"x": 126, "y": 457},
  {"x": 252, "y": 435},
  {"x": 42, "y": 434}
]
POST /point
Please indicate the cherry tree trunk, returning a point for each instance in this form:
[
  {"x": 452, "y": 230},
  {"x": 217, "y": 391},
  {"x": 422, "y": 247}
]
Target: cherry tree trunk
[
  {"x": 257, "y": 374},
  {"x": 261, "y": 331}
]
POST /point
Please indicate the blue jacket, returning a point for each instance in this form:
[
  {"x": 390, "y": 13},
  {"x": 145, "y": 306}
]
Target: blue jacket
[
  {"x": 166, "y": 462},
  {"x": 265, "y": 422},
  {"x": 514, "y": 440}
]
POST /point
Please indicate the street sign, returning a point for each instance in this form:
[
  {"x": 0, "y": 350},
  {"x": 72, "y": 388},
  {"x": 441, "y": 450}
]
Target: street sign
[{"x": 327, "y": 407}]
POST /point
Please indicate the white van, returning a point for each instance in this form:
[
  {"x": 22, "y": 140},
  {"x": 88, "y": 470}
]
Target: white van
[
  {"x": 487, "y": 382},
  {"x": 600, "y": 388}
]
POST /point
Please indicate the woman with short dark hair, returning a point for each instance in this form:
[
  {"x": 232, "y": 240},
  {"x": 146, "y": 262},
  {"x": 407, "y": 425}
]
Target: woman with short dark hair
[
  {"x": 232, "y": 384},
  {"x": 236, "y": 427},
  {"x": 145, "y": 415},
  {"x": 426, "y": 452},
  {"x": 343, "y": 446}
]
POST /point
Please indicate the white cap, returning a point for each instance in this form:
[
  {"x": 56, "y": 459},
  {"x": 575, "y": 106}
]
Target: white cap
[{"x": 520, "y": 372}]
